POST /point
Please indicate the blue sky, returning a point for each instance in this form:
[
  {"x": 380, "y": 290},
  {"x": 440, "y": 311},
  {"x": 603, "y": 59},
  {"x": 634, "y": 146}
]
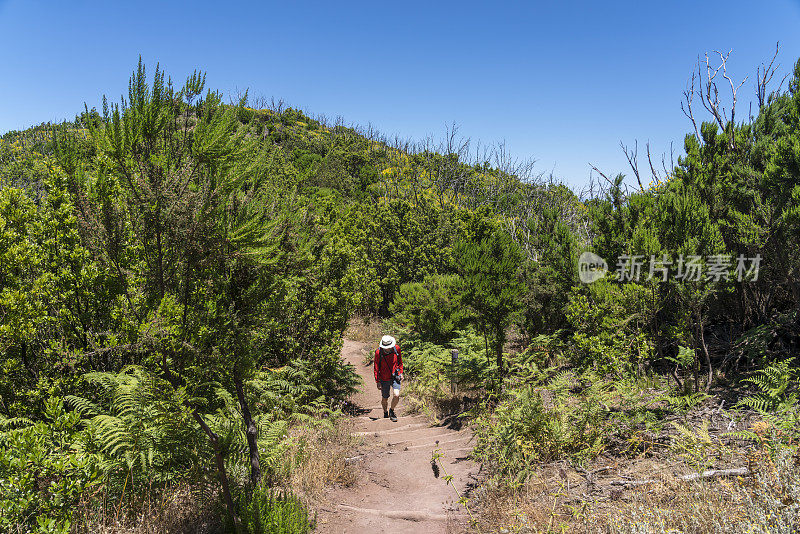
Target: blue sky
[{"x": 562, "y": 82}]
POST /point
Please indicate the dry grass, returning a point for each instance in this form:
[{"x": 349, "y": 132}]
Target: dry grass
[
  {"x": 559, "y": 499},
  {"x": 323, "y": 463},
  {"x": 766, "y": 502},
  {"x": 180, "y": 510},
  {"x": 365, "y": 329}
]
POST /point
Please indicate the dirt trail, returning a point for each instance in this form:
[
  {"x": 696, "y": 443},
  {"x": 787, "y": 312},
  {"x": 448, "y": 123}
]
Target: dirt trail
[{"x": 397, "y": 490}]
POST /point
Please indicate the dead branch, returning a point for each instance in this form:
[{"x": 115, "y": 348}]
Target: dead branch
[
  {"x": 653, "y": 171},
  {"x": 734, "y": 90},
  {"x": 688, "y": 96},
  {"x": 764, "y": 75},
  {"x": 709, "y": 93},
  {"x": 632, "y": 483},
  {"x": 633, "y": 160},
  {"x": 671, "y": 160},
  {"x": 598, "y": 171},
  {"x": 716, "y": 473},
  {"x": 708, "y": 474}
]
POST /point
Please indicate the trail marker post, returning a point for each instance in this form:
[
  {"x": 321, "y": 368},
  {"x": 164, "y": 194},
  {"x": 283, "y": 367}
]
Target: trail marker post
[{"x": 453, "y": 370}]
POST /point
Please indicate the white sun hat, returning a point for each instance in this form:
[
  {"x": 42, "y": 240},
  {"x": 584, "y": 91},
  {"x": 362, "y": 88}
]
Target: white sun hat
[{"x": 387, "y": 342}]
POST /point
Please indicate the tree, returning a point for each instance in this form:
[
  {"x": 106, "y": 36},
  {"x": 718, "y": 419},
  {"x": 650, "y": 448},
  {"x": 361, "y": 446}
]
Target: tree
[
  {"x": 181, "y": 168},
  {"x": 430, "y": 307},
  {"x": 489, "y": 265}
]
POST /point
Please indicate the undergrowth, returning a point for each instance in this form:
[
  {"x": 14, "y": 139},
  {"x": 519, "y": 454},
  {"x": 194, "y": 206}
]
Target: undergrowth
[
  {"x": 267, "y": 511},
  {"x": 766, "y": 502}
]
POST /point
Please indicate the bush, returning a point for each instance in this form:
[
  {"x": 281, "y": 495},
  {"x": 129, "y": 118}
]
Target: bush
[
  {"x": 43, "y": 472},
  {"x": 430, "y": 308},
  {"x": 141, "y": 429},
  {"x": 430, "y": 368},
  {"x": 539, "y": 423},
  {"x": 268, "y": 512},
  {"x": 776, "y": 401},
  {"x": 610, "y": 326}
]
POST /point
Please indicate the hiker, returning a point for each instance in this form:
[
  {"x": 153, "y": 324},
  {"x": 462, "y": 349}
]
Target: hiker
[{"x": 388, "y": 373}]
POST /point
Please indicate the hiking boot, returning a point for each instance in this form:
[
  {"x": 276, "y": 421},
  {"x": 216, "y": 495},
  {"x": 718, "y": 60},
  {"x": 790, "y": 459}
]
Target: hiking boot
[
  {"x": 385, "y": 415},
  {"x": 392, "y": 416}
]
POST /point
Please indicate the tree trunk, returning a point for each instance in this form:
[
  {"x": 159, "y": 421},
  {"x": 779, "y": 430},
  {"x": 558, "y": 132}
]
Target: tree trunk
[
  {"x": 251, "y": 432},
  {"x": 707, "y": 358},
  {"x": 223, "y": 475},
  {"x": 499, "y": 356},
  {"x": 680, "y": 383},
  {"x": 24, "y": 356},
  {"x": 500, "y": 340}
]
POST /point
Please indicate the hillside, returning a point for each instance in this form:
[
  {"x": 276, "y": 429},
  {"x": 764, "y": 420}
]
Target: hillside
[{"x": 177, "y": 275}]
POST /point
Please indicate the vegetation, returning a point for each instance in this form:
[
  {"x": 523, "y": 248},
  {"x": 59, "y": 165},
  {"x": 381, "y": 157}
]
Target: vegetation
[{"x": 177, "y": 273}]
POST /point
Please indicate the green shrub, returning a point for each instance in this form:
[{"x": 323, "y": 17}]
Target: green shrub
[
  {"x": 141, "y": 429},
  {"x": 43, "y": 472},
  {"x": 266, "y": 511},
  {"x": 776, "y": 401},
  {"x": 430, "y": 368},
  {"x": 539, "y": 423},
  {"x": 610, "y": 323},
  {"x": 431, "y": 307}
]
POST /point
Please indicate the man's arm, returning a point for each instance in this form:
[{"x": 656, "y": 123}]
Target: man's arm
[
  {"x": 399, "y": 360},
  {"x": 375, "y": 366}
]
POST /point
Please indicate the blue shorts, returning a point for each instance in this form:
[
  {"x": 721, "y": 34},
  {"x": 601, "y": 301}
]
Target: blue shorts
[{"x": 387, "y": 386}]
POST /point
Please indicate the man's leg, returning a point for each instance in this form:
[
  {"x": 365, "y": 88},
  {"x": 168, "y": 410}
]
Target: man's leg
[
  {"x": 385, "y": 392},
  {"x": 395, "y": 400}
]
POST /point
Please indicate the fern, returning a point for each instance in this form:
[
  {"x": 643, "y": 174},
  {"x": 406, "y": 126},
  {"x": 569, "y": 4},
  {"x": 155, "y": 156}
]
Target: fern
[
  {"x": 141, "y": 428},
  {"x": 776, "y": 399},
  {"x": 83, "y": 406},
  {"x": 541, "y": 422},
  {"x": 14, "y": 423},
  {"x": 268, "y": 512},
  {"x": 773, "y": 383},
  {"x": 694, "y": 445},
  {"x": 272, "y": 423},
  {"x": 683, "y": 402}
]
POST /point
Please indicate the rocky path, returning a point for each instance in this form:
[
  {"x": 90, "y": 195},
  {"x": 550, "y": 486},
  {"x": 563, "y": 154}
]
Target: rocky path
[{"x": 397, "y": 490}]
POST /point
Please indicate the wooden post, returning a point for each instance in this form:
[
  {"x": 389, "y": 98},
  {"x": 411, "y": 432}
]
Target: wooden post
[{"x": 453, "y": 371}]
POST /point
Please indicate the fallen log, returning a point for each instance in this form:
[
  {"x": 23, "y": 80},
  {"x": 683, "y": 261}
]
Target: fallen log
[
  {"x": 709, "y": 473},
  {"x": 632, "y": 482},
  {"x": 716, "y": 473}
]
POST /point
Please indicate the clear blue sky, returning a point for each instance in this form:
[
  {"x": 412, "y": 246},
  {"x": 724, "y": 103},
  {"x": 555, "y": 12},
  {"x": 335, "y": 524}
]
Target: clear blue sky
[{"x": 562, "y": 82}]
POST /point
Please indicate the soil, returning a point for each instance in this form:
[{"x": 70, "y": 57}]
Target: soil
[{"x": 398, "y": 489}]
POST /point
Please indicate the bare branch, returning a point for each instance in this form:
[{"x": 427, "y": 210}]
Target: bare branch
[
  {"x": 710, "y": 98},
  {"x": 598, "y": 171},
  {"x": 633, "y": 160},
  {"x": 764, "y": 75},
  {"x": 652, "y": 168},
  {"x": 688, "y": 95},
  {"x": 671, "y": 160},
  {"x": 734, "y": 90},
  {"x": 709, "y": 93}
]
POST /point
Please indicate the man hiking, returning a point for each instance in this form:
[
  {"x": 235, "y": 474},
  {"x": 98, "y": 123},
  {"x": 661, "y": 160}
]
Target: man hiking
[{"x": 388, "y": 373}]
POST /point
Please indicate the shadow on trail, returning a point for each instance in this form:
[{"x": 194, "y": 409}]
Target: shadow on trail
[{"x": 355, "y": 410}]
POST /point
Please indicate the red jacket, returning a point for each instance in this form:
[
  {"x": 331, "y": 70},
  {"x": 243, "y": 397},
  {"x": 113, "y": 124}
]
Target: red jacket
[{"x": 386, "y": 364}]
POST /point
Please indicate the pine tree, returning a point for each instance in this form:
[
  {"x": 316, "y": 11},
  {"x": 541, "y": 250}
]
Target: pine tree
[{"x": 489, "y": 265}]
